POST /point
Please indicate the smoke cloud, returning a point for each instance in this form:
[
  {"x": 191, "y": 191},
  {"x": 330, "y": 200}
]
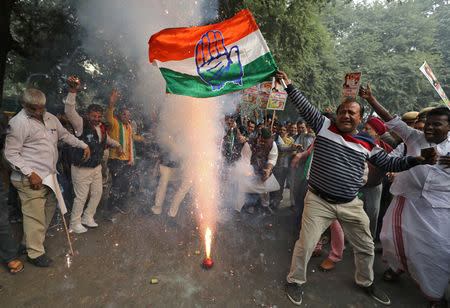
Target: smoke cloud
[{"x": 189, "y": 129}]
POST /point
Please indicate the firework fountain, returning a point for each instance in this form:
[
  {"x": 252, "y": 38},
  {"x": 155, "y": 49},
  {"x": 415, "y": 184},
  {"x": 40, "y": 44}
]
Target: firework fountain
[{"x": 193, "y": 125}]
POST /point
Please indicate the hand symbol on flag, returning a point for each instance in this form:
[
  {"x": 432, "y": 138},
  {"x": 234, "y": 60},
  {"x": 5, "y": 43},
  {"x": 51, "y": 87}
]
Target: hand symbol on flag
[{"x": 215, "y": 65}]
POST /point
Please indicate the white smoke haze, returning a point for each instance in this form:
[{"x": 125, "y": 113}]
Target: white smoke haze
[
  {"x": 189, "y": 128},
  {"x": 128, "y": 24}
]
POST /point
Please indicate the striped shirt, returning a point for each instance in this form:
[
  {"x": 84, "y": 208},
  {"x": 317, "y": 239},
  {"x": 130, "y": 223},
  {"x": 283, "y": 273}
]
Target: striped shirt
[{"x": 338, "y": 161}]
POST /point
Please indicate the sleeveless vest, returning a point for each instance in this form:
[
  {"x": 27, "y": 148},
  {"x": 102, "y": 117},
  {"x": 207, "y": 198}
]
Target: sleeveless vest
[
  {"x": 91, "y": 138},
  {"x": 260, "y": 155}
]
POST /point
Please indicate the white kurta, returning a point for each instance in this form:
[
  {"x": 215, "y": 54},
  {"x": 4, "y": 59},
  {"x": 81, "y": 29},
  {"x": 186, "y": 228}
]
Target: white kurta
[
  {"x": 416, "y": 229},
  {"x": 248, "y": 182}
]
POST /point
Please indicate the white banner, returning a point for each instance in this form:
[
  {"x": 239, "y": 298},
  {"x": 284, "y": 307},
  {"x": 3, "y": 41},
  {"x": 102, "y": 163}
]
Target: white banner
[{"x": 426, "y": 70}]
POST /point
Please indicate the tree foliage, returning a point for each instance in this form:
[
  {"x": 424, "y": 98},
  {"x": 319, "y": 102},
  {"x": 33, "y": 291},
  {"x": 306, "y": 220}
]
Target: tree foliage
[
  {"x": 300, "y": 43},
  {"x": 50, "y": 46},
  {"x": 388, "y": 42},
  {"x": 315, "y": 41}
]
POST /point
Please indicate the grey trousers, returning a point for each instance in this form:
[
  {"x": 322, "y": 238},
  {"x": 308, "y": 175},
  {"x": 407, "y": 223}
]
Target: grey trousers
[{"x": 372, "y": 198}]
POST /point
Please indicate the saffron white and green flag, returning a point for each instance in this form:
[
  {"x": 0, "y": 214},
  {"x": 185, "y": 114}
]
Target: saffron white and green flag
[{"x": 212, "y": 60}]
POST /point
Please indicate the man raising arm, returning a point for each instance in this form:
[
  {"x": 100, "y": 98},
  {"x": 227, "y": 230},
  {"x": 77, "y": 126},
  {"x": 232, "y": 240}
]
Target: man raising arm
[
  {"x": 87, "y": 175},
  {"x": 336, "y": 175},
  {"x": 420, "y": 210}
]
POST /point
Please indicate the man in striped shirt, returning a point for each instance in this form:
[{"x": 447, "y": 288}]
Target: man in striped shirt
[{"x": 335, "y": 177}]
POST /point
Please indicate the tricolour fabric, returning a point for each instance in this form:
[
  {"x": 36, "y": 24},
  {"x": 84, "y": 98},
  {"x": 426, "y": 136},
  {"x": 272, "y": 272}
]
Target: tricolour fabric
[{"x": 212, "y": 60}]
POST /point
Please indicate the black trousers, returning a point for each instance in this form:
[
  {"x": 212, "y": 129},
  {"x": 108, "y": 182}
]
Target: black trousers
[{"x": 122, "y": 177}]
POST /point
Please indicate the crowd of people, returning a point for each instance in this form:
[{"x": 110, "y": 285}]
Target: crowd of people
[{"x": 387, "y": 178}]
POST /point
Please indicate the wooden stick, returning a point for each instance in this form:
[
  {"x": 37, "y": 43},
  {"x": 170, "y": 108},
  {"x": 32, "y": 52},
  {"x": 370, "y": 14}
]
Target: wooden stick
[
  {"x": 55, "y": 183},
  {"x": 273, "y": 119},
  {"x": 67, "y": 233},
  {"x": 265, "y": 118}
]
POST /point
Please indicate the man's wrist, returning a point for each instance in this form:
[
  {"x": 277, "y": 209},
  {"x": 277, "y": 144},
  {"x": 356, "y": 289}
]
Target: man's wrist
[
  {"x": 371, "y": 100},
  {"x": 414, "y": 161},
  {"x": 72, "y": 90}
]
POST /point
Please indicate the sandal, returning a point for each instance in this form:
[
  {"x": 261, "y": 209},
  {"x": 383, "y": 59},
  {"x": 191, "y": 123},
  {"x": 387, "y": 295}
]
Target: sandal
[
  {"x": 15, "y": 266},
  {"x": 390, "y": 275}
]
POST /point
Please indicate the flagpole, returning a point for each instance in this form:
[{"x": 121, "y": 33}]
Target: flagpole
[
  {"x": 273, "y": 119},
  {"x": 265, "y": 117}
]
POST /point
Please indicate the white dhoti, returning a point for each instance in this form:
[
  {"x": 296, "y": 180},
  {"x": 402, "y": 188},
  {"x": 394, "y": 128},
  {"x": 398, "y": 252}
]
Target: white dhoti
[
  {"x": 254, "y": 186},
  {"x": 416, "y": 240},
  {"x": 184, "y": 184},
  {"x": 248, "y": 182}
]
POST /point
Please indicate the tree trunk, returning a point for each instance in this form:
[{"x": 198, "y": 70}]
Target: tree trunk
[{"x": 5, "y": 38}]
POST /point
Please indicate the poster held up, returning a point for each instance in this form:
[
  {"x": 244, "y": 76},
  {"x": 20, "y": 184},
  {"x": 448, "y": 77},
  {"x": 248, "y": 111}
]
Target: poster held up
[
  {"x": 264, "y": 93},
  {"x": 277, "y": 97},
  {"x": 350, "y": 86},
  {"x": 250, "y": 95}
]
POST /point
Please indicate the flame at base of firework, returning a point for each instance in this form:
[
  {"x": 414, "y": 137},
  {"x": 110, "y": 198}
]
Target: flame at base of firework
[{"x": 207, "y": 263}]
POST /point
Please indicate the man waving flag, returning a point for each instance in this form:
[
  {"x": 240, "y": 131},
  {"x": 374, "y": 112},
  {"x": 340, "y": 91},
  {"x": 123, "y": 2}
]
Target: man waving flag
[{"x": 212, "y": 60}]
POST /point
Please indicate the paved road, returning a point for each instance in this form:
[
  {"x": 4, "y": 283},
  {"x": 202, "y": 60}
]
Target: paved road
[{"x": 114, "y": 264}]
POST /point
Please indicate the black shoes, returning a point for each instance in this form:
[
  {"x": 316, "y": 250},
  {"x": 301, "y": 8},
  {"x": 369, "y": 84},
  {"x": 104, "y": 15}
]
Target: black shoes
[
  {"x": 377, "y": 294},
  {"x": 295, "y": 293},
  {"x": 41, "y": 261}
]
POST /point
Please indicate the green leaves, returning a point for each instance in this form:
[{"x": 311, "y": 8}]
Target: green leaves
[{"x": 389, "y": 42}]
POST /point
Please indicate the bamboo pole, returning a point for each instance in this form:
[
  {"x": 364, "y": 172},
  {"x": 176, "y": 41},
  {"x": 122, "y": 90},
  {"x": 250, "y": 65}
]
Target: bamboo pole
[{"x": 273, "y": 119}]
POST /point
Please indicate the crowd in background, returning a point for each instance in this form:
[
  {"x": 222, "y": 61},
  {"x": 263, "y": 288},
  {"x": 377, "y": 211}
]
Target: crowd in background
[{"x": 96, "y": 161}]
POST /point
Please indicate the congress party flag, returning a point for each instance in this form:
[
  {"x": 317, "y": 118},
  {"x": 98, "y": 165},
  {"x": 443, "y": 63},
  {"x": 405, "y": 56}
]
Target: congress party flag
[{"x": 212, "y": 60}]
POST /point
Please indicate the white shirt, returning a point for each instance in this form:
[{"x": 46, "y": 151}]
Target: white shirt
[
  {"x": 399, "y": 151},
  {"x": 32, "y": 146},
  {"x": 430, "y": 182},
  {"x": 77, "y": 121}
]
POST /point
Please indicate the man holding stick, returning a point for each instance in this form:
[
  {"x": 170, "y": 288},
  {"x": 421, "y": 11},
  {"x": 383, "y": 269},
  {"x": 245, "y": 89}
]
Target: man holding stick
[
  {"x": 31, "y": 150},
  {"x": 416, "y": 229},
  {"x": 335, "y": 177}
]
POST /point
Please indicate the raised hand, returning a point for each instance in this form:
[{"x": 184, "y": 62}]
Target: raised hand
[
  {"x": 366, "y": 93},
  {"x": 74, "y": 83},
  {"x": 113, "y": 97},
  {"x": 282, "y": 76},
  {"x": 215, "y": 64}
]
